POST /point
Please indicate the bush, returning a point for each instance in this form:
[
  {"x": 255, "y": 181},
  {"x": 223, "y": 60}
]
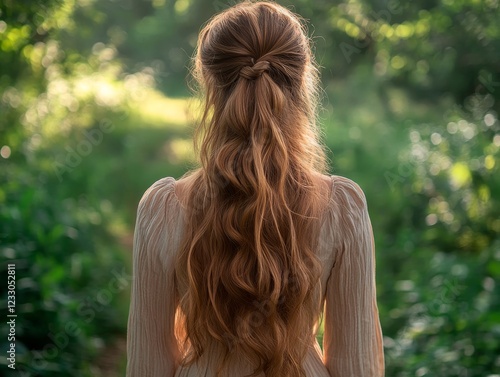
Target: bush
[{"x": 68, "y": 278}]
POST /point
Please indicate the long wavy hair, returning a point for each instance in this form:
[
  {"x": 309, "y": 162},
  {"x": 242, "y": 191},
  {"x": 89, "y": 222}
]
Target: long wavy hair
[{"x": 247, "y": 261}]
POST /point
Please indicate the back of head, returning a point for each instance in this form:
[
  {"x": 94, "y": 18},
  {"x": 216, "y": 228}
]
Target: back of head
[{"x": 252, "y": 221}]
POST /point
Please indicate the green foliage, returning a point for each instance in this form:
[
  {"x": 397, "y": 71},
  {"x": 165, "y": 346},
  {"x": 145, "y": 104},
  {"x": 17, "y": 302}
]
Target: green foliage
[
  {"x": 449, "y": 311},
  {"x": 67, "y": 285}
]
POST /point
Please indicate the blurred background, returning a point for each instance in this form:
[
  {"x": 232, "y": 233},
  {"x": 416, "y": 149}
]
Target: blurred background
[{"x": 95, "y": 107}]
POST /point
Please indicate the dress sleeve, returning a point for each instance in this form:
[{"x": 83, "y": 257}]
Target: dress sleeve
[
  {"x": 352, "y": 341},
  {"x": 151, "y": 344}
]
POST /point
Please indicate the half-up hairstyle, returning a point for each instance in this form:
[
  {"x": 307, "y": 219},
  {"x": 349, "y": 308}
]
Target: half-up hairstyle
[{"x": 253, "y": 213}]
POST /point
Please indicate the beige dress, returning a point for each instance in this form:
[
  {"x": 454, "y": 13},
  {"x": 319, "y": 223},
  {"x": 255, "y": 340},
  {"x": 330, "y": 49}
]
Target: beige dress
[{"x": 352, "y": 341}]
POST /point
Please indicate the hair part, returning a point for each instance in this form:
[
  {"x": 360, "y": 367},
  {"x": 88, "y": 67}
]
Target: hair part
[{"x": 253, "y": 217}]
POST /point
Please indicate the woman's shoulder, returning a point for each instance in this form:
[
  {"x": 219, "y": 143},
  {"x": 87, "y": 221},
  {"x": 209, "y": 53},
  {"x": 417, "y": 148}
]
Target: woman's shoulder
[
  {"x": 342, "y": 194},
  {"x": 183, "y": 187},
  {"x": 160, "y": 194},
  {"x": 346, "y": 211},
  {"x": 171, "y": 190},
  {"x": 346, "y": 192},
  {"x": 162, "y": 186}
]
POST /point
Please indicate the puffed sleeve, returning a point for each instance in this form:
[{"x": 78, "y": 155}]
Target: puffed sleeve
[
  {"x": 352, "y": 341},
  {"x": 151, "y": 344}
]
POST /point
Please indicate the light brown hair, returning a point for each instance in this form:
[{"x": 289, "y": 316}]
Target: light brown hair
[{"x": 253, "y": 213}]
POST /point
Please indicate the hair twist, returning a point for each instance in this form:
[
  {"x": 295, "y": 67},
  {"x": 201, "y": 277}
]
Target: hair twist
[{"x": 255, "y": 71}]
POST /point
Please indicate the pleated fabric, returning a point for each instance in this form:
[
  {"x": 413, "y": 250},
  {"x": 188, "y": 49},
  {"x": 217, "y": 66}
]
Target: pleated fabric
[{"x": 352, "y": 341}]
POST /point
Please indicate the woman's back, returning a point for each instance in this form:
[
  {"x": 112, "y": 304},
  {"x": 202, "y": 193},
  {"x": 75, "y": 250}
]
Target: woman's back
[
  {"x": 352, "y": 340},
  {"x": 234, "y": 264}
]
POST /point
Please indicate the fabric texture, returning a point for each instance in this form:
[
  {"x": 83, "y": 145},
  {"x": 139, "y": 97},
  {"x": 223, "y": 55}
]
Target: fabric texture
[{"x": 352, "y": 341}]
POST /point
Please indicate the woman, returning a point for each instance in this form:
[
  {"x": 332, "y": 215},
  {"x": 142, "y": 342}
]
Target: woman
[{"x": 234, "y": 263}]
